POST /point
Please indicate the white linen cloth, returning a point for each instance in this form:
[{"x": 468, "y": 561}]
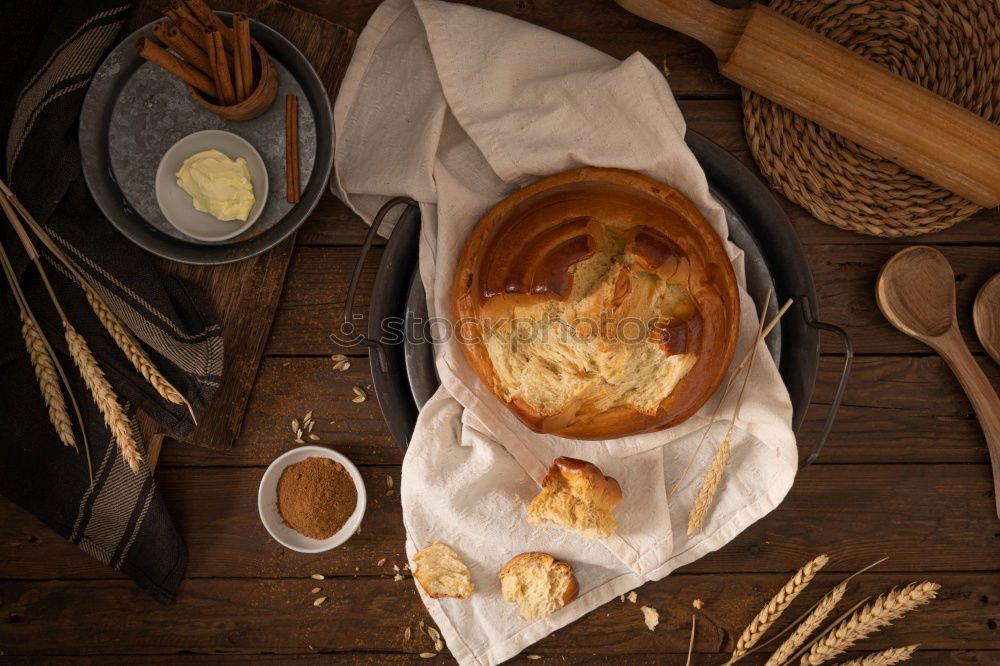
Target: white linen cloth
[{"x": 457, "y": 107}]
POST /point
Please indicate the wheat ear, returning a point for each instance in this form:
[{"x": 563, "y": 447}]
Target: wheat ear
[
  {"x": 131, "y": 348},
  {"x": 710, "y": 484},
  {"x": 725, "y": 392},
  {"x": 116, "y": 329},
  {"x": 808, "y": 626},
  {"x": 48, "y": 381},
  {"x": 885, "y": 657},
  {"x": 770, "y": 613},
  {"x": 104, "y": 396},
  {"x": 888, "y": 607}
]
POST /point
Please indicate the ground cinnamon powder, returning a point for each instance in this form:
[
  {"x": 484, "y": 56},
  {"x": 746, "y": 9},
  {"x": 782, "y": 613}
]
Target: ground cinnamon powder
[{"x": 316, "y": 497}]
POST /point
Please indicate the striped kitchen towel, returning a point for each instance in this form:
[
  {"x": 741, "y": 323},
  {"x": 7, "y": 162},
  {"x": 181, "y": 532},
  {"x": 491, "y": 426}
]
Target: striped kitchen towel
[{"x": 120, "y": 518}]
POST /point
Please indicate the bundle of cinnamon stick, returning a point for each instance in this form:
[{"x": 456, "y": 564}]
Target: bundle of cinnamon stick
[{"x": 208, "y": 55}]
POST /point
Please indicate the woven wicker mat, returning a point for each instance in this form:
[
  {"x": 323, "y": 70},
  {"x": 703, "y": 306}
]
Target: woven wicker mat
[{"x": 951, "y": 47}]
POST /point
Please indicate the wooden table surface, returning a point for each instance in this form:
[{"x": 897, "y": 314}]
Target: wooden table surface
[{"x": 905, "y": 473}]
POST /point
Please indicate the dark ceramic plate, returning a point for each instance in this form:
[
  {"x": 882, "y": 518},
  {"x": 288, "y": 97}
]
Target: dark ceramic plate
[
  {"x": 134, "y": 112},
  {"x": 403, "y": 373}
]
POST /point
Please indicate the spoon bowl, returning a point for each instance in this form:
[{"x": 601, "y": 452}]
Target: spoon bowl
[
  {"x": 986, "y": 316},
  {"x": 916, "y": 293}
]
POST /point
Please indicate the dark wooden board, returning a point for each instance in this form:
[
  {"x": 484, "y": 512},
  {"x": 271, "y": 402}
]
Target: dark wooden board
[
  {"x": 885, "y": 404},
  {"x": 904, "y": 473},
  {"x": 941, "y": 520},
  {"x": 245, "y": 295},
  {"x": 924, "y": 657},
  {"x": 277, "y": 615}
]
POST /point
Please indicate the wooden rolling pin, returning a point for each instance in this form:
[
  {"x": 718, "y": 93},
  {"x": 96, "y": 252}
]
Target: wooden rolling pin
[{"x": 841, "y": 91}]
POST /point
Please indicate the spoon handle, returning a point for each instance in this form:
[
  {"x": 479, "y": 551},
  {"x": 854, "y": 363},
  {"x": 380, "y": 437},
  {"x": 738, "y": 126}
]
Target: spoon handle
[{"x": 981, "y": 394}]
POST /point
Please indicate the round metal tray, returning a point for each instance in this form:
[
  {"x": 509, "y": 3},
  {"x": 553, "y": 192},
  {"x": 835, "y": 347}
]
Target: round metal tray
[
  {"x": 403, "y": 371},
  {"x": 134, "y": 111}
]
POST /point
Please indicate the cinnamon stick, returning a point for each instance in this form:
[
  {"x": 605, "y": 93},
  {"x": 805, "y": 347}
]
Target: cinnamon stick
[
  {"x": 184, "y": 47},
  {"x": 292, "y": 148},
  {"x": 220, "y": 68},
  {"x": 209, "y": 18},
  {"x": 159, "y": 56},
  {"x": 179, "y": 10},
  {"x": 243, "y": 56},
  {"x": 190, "y": 28}
]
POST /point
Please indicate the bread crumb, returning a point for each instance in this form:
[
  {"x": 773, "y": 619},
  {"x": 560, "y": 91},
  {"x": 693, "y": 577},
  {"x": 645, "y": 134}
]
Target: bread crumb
[
  {"x": 651, "y": 616},
  {"x": 621, "y": 598},
  {"x": 439, "y": 645},
  {"x": 380, "y": 562},
  {"x": 632, "y": 596},
  {"x": 317, "y": 576},
  {"x": 698, "y": 603},
  {"x": 395, "y": 567},
  {"x": 397, "y": 578}
]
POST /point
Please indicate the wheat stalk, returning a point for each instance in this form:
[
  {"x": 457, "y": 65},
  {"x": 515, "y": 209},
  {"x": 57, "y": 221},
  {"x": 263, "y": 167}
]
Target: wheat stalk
[
  {"x": 41, "y": 352},
  {"x": 882, "y": 612},
  {"x": 116, "y": 329},
  {"x": 770, "y": 613},
  {"x": 104, "y": 396},
  {"x": 808, "y": 625},
  {"x": 100, "y": 390},
  {"x": 725, "y": 392},
  {"x": 131, "y": 348},
  {"x": 710, "y": 484},
  {"x": 885, "y": 657},
  {"x": 48, "y": 381}
]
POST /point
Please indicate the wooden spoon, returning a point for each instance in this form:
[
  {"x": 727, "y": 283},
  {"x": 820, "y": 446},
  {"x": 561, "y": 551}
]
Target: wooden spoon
[
  {"x": 916, "y": 293},
  {"x": 986, "y": 316}
]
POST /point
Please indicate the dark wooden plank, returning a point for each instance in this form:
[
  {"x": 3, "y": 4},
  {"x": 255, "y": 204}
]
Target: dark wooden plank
[
  {"x": 923, "y": 657},
  {"x": 252, "y": 616},
  {"x": 722, "y": 122},
  {"x": 245, "y": 295},
  {"x": 924, "y": 517},
  {"x": 884, "y": 417},
  {"x": 844, "y": 276}
]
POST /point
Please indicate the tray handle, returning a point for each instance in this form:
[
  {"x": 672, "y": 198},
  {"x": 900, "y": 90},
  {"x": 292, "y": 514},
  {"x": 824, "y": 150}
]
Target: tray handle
[
  {"x": 831, "y": 414},
  {"x": 347, "y": 328}
]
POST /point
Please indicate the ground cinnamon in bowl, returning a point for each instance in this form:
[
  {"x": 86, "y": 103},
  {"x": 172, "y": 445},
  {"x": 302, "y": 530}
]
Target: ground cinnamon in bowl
[{"x": 316, "y": 497}]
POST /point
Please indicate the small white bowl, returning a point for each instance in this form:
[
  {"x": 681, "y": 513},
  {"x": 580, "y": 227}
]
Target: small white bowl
[
  {"x": 267, "y": 502},
  {"x": 176, "y": 203}
]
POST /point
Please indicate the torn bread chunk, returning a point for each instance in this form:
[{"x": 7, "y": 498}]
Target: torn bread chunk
[
  {"x": 577, "y": 496},
  {"x": 538, "y": 584},
  {"x": 442, "y": 573}
]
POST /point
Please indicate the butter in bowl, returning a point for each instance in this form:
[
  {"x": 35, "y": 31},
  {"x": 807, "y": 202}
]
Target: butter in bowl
[{"x": 211, "y": 185}]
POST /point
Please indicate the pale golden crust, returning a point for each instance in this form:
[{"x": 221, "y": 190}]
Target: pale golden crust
[
  {"x": 436, "y": 551},
  {"x": 576, "y": 495},
  {"x": 601, "y": 488},
  {"x": 479, "y": 290},
  {"x": 545, "y": 560}
]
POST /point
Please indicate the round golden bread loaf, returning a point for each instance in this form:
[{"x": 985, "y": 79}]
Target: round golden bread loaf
[{"x": 597, "y": 303}]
